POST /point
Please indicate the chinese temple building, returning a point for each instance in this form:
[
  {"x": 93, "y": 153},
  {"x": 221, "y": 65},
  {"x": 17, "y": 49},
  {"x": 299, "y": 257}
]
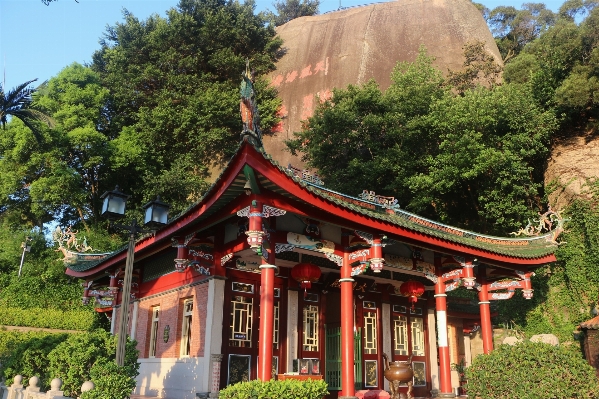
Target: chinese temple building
[{"x": 272, "y": 275}]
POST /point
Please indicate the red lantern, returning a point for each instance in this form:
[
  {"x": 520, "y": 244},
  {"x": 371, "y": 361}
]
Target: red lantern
[
  {"x": 305, "y": 274},
  {"x": 413, "y": 290}
]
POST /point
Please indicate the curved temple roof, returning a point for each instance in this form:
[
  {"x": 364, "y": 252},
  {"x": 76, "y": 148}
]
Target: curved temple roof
[{"x": 308, "y": 197}]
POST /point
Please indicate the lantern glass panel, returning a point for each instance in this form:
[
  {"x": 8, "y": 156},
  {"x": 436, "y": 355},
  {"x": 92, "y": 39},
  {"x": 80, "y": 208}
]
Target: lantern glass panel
[
  {"x": 156, "y": 214},
  {"x": 114, "y": 205}
]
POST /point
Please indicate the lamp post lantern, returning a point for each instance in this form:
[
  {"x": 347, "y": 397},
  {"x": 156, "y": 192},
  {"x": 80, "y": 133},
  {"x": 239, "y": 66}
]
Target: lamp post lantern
[
  {"x": 156, "y": 215},
  {"x": 26, "y": 248}
]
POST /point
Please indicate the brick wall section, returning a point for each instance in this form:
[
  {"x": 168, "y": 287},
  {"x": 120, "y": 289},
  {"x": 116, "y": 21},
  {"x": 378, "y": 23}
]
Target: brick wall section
[
  {"x": 117, "y": 315},
  {"x": 591, "y": 348},
  {"x": 171, "y": 311}
]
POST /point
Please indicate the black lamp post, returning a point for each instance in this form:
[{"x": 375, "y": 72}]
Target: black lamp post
[{"x": 156, "y": 215}]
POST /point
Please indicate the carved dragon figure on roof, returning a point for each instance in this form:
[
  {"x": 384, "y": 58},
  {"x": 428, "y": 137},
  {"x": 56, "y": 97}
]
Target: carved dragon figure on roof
[
  {"x": 72, "y": 249},
  {"x": 544, "y": 224}
]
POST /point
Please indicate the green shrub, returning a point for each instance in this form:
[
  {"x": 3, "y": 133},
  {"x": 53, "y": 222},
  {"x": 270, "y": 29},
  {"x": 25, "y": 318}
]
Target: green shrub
[
  {"x": 73, "y": 360},
  {"x": 531, "y": 370},
  {"x": 287, "y": 389},
  {"x": 10, "y": 339},
  {"x": 80, "y": 320},
  {"x": 28, "y": 355},
  {"x": 112, "y": 381}
]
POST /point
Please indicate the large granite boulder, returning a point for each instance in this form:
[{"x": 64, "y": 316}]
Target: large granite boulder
[{"x": 358, "y": 44}]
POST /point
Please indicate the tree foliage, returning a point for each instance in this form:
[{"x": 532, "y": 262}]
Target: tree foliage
[
  {"x": 565, "y": 291},
  {"x": 513, "y": 29},
  {"x": 562, "y": 67},
  {"x": 286, "y": 10},
  {"x": 18, "y": 103},
  {"x": 468, "y": 160},
  {"x": 174, "y": 93}
]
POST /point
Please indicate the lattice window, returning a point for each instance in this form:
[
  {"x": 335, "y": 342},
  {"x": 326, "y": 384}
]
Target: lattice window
[
  {"x": 241, "y": 322},
  {"x": 310, "y": 339},
  {"x": 370, "y": 333},
  {"x": 400, "y": 330},
  {"x": 417, "y": 336},
  {"x": 154, "y": 331},
  {"x": 275, "y": 330},
  {"x": 186, "y": 327}
]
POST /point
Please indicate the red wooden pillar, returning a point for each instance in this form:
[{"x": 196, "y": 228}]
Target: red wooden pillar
[
  {"x": 485, "y": 310},
  {"x": 442, "y": 341},
  {"x": 347, "y": 324},
  {"x": 267, "y": 291}
]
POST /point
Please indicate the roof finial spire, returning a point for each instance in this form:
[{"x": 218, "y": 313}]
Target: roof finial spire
[{"x": 248, "y": 109}]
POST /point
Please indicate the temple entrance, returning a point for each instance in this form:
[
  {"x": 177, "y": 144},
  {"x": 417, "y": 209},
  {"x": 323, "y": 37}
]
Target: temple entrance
[
  {"x": 332, "y": 373},
  {"x": 241, "y": 315}
]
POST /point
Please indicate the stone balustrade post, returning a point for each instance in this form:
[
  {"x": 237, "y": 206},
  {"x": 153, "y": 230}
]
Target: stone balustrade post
[
  {"x": 55, "y": 392},
  {"x": 87, "y": 386},
  {"x": 15, "y": 391},
  {"x": 33, "y": 390}
]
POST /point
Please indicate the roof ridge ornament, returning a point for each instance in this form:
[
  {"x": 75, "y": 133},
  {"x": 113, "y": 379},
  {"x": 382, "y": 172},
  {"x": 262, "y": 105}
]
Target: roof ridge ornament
[
  {"x": 544, "y": 224},
  {"x": 248, "y": 109}
]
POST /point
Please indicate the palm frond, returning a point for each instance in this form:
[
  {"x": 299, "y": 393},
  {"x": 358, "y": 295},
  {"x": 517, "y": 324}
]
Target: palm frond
[{"x": 18, "y": 102}]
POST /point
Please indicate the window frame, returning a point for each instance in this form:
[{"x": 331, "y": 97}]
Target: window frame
[
  {"x": 154, "y": 321},
  {"x": 186, "y": 328}
]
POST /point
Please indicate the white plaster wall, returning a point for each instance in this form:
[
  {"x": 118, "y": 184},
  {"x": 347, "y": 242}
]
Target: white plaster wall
[
  {"x": 432, "y": 349},
  {"x": 214, "y": 325},
  {"x": 386, "y": 315},
  {"x": 133, "y": 321},
  {"x": 172, "y": 378},
  {"x": 292, "y": 303}
]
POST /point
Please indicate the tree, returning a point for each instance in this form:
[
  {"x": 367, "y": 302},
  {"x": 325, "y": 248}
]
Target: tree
[
  {"x": 562, "y": 67},
  {"x": 286, "y": 10},
  {"x": 480, "y": 67},
  {"x": 18, "y": 103},
  {"x": 470, "y": 160},
  {"x": 513, "y": 28},
  {"x": 486, "y": 175},
  {"x": 174, "y": 101},
  {"x": 60, "y": 178},
  {"x": 354, "y": 138}
]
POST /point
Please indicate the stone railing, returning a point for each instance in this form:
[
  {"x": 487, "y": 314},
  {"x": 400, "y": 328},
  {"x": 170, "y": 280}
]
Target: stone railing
[{"x": 18, "y": 391}]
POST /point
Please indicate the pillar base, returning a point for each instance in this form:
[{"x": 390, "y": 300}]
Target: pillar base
[
  {"x": 446, "y": 395},
  {"x": 348, "y": 397}
]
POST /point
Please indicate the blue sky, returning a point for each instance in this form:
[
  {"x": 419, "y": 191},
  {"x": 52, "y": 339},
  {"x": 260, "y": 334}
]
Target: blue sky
[{"x": 37, "y": 41}]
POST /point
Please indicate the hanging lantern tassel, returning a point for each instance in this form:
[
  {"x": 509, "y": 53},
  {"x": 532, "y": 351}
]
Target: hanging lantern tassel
[
  {"x": 305, "y": 274},
  {"x": 306, "y": 285},
  {"x": 413, "y": 290}
]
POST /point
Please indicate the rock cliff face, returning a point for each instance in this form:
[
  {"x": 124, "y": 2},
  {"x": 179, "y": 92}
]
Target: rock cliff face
[
  {"x": 355, "y": 45},
  {"x": 573, "y": 161}
]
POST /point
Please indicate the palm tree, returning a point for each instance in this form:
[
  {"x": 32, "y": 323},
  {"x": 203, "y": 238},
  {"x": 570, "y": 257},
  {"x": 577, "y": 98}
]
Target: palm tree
[{"x": 18, "y": 103}]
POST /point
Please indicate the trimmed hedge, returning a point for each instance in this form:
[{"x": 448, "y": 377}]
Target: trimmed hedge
[
  {"x": 287, "y": 389},
  {"x": 531, "y": 370},
  {"x": 9, "y": 340},
  {"x": 28, "y": 357},
  {"x": 80, "y": 320},
  {"x": 74, "y": 358}
]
